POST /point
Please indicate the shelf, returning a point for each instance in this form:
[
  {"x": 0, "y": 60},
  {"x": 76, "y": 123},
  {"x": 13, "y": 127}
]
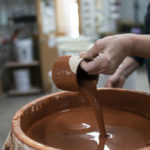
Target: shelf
[
  {"x": 21, "y": 65},
  {"x": 14, "y": 92},
  {"x": 130, "y": 23},
  {"x": 25, "y": 19}
]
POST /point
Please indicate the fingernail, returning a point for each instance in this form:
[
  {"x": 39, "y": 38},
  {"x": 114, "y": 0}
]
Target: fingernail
[{"x": 83, "y": 55}]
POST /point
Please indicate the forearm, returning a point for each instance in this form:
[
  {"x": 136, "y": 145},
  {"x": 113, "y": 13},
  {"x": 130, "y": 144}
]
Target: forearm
[
  {"x": 139, "y": 45},
  {"x": 127, "y": 67},
  {"x": 108, "y": 53}
]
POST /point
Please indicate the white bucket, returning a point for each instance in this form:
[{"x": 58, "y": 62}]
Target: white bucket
[
  {"x": 22, "y": 79},
  {"x": 24, "y": 50}
]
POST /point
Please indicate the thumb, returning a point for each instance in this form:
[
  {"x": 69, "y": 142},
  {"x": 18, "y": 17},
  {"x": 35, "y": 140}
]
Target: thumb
[
  {"x": 92, "y": 53},
  {"x": 108, "y": 84}
]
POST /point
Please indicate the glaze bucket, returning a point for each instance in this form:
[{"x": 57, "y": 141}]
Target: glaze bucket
[{"x": 131, "y": 101}]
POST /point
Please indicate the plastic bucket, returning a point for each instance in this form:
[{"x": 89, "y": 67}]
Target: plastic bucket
[
  {"x": 24, "y": 50},
  {"x": 22, "y": 79}
]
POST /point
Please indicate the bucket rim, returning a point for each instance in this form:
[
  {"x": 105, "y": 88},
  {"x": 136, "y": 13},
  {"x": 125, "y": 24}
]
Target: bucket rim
[{"x": 24, "y": 139}]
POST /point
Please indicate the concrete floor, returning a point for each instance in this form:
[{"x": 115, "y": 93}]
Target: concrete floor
[{"x": 9, "y": 105}]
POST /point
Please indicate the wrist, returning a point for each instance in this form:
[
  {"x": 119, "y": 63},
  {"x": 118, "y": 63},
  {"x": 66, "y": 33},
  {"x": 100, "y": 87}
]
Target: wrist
[
  {"x": 127, "y": 67},
  {"x": 121, "y": 73},
  {"x": 129, "y": 42}
]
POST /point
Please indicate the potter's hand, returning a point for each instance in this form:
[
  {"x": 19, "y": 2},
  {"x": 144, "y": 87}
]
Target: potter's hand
[
  {"x": 106, "y": 55},
  {"x": 115, "y": 81},
  {"x": 125, "y": 69}
]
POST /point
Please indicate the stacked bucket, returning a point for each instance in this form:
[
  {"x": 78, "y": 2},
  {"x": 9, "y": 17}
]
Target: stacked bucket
[{"x": 24, "y": 54}]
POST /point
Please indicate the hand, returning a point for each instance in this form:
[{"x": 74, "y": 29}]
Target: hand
[
  {"x": 115, "y": 81},
  {"x": 106, "y": 54}
]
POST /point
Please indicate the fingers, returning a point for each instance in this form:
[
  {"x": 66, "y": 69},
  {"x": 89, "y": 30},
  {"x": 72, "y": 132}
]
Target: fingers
[
  {"x": 114, "y": 82},
  {"x": 100, "y": 64},
  {"x": 91, "y": 67},
  {"x": 108, "y": 84},
  {"x": 120, "y": 85},
  {"x": 92, "y": 53}
]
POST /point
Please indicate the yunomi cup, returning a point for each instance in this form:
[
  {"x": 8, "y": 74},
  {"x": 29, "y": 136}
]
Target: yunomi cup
[
  {"x": 66, "y": 72},
  {"x": 28, "y": 115}
]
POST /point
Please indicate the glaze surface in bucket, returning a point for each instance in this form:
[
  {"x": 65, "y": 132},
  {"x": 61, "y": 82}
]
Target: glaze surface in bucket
[{"x": 128, "y": 128}]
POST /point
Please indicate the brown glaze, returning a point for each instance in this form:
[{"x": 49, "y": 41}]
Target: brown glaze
[
  {"x": 88, "y": 88},
  {"x": 76, "y": 129},
  {"x": 62, "y": 75},
  {"x": 113, "y": 99}
]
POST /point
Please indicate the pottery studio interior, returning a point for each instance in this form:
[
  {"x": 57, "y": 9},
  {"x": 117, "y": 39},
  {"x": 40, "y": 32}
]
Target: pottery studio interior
[{"x": 34, "y": 34}]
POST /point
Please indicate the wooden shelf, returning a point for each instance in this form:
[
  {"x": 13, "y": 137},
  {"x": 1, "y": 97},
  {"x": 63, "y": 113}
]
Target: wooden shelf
[
  {"x": 21, "y": 65},
  {"x": 14, "y": 92},
  {"x": 131, "y": 23},
  {"x": 25, "y": 19}
]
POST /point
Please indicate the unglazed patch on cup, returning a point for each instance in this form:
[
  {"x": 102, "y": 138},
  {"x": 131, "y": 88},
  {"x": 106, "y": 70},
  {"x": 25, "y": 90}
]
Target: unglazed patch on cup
[{"x": 74, "y": 62}]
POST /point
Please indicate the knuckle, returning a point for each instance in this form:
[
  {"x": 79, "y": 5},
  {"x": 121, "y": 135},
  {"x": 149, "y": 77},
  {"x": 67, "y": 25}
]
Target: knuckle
[
  {"x": 97, "y": 43},
  {"x": 106, "y": 67},
  {"x": 107, "y": 63},
  {"x": 89, "y": 54},
  {"x": 108, "y": 60}
]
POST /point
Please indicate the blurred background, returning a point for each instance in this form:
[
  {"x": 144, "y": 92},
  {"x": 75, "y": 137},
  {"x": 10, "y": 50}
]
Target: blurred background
[{"x": 33, "y": 33}]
